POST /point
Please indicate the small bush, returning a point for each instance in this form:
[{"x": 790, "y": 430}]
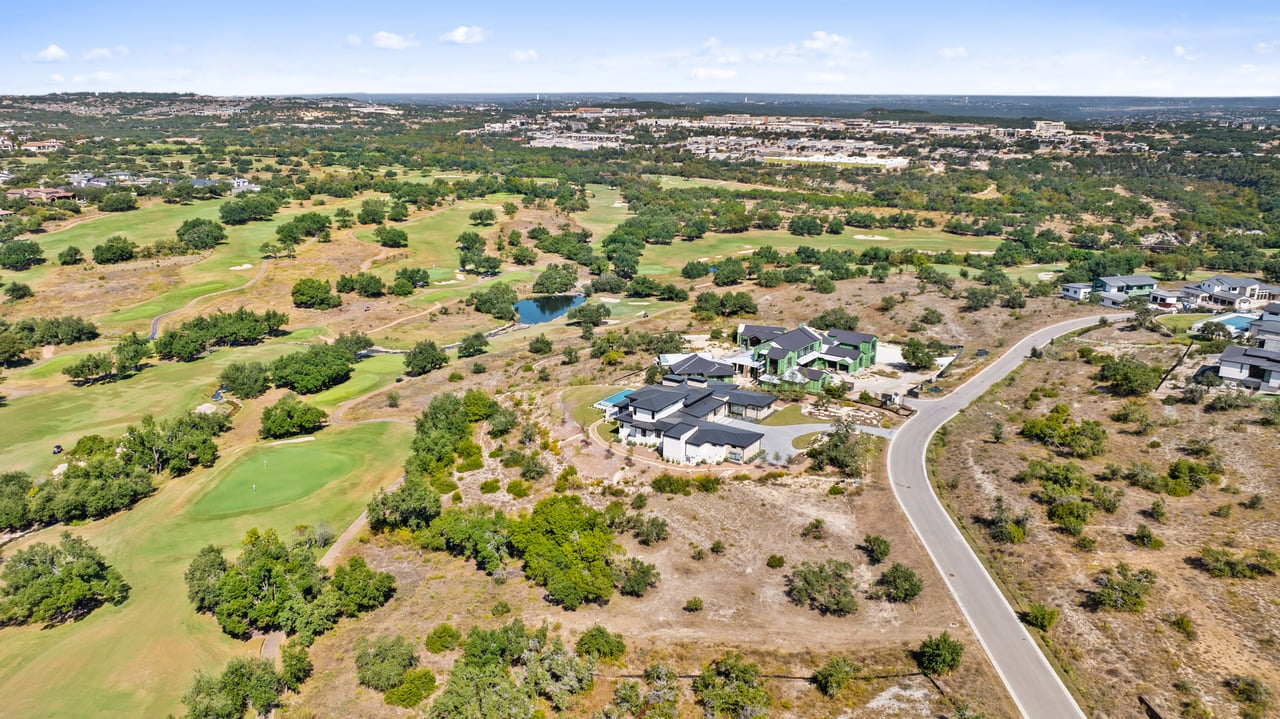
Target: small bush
[
  {"x": 501, "y": 609},
  {"x": 835, "y": 675},
  {"x": 693, "y": 605},
  {"x": 717, "y": 547},
  {"x": 899, "y": 584},
  {"x": 817, "y": 529},
  {"x": 1184, "y": 626},
  {"x": 939, "y": 655},
  {"x": 518, "y": 489},
  {"x": 489, "y": 486},
  {"x": 1039, "y": 616},
  {"x": 443, "y": 638},
  {"x": 382, "y": 664},
  {"x": 600, "y": 643},
  {"x": 876, "y": 548},
  {"x": 775, "y": 561},
  {"x": 418, "y": 685}
]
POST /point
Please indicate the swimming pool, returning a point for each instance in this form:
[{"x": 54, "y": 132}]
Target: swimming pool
[
  {"x": 1238, "y": 322},
  {"x": 615, "y": 397}
]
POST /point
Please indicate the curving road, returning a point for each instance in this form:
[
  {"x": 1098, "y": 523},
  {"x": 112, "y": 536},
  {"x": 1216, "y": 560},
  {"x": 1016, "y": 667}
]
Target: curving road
[{"x": 1032, "y": 682}]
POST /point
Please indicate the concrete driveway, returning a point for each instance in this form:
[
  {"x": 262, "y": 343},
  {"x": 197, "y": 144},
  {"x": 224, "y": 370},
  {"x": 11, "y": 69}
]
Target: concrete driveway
[{"x": 777, "y": 440}]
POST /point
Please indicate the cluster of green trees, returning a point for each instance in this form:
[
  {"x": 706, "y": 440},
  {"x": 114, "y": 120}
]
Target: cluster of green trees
[
  {"x": 193, "y": 338},
  {"x": 244, "y": 683},
  {"x": 844, "y": 449},
  {"x": 103, "y": 476},
  {"x": 50, "y": 584},
  {"x": 20, "y": 337},
  {"x": 250, "y": 207},
  {"x": 276, "y": 586},
  {"x": 556, "y": 279},
  {"x": 19, "y": 255},
  {"x": 290, "y": 417},
  {"x": 498, "y": 301},
  {"x": 728, "y": 304},
  {"x": 481, "y": 683}
]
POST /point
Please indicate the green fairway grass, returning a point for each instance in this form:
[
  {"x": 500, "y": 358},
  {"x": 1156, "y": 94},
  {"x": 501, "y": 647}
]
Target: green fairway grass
[
  {"x": 369, "y": 374},
  {"x": 270, "y": 476},
  {"x": 602, "y": 216},
  {"x": 137, "y": 659},
  {"x": 63, "y": 415},
  {"x": 433, "y": 238}
]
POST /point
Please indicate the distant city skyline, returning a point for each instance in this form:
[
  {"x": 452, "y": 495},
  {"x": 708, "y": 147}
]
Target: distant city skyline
[{"x": 1174, "y": 48}]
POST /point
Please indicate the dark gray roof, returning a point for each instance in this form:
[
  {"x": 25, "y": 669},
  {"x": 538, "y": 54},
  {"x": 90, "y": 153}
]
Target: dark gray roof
[
  {"x": 776, "y": 353},
  {"x": 796, "y": 339},
  {"x": 812, "y": 373},
  {"x": 1267, "y": 326},
  {"x": 845, "y": 337},
  {"x": 747, "y": 398},
  {"x": 703, "y": 407},
  {"x": 1129, "y": 280},
  {"x": 841, "y": 351},
  {"x": 761, "y": 332},
  {"x": 654, "y": 397},
  {"x": 1272, "y": 309},
  {"x": 679, "y": 429},
  {"x": 1252, "y": 356},
  {"x": 710, "y": 433},
  {"x": 695, "y": 364}
]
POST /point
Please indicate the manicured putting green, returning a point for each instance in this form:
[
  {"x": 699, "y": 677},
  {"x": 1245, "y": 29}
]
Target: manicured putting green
[{"x": 276, "y": 475}]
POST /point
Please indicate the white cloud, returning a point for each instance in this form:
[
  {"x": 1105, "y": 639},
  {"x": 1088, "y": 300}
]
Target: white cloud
[
  {"x": 354, "y": 41},
  {"x": 57, "y": 77},
  {"x": 952, "y": 53},
  {"x": 53, "y": 53},
  {"x": 712, "y": 73},
  {"x": 1265, "y": 47},
  {"x": 825, "y": 78},
  {"x": 465, "y": 35},
  {"x": 522, "y": 56},
  {"x": 1182, "y": 52},
  {"x": 105, "y": 53},
  {"x": 392, "y": 41},
  {"x": 823, "y": 41}
]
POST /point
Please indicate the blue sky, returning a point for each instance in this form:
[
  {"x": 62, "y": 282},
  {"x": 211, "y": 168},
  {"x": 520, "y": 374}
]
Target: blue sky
[{"x": 921, "y": 46}]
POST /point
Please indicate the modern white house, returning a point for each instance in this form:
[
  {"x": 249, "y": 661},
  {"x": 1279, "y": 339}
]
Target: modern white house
[
  {"x": 1266, "y": 329},
  {"x": 684, "y": 420},
  {"x": 1128, "y": 285},
  {"x": 1251, "y": 367},
  {"x": 1078, "y": 291},
  {"x": 1221, "y": 292}
]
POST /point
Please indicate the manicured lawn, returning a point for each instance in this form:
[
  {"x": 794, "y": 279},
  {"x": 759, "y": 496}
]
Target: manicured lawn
[
  {"x": 433, "y": 238},
  {"x": 803, "y": 441},
  {"x": 137, "y": 659},
  {"x": 580, "y": 399},
  {"x": 63, "y": 415},
  {"x": 270, "y": 476},
  {"x": 602, "y": 216},
  {"x": 369, "y": 374},
  {"x": 1180, "y": 323},
  {"x": 787, "y": 415},
  {"x": 668, "y": 259}
]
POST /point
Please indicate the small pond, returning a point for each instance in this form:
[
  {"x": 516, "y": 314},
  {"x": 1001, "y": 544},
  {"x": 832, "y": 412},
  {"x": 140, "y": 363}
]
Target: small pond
[{"x": 545, "y": 308}]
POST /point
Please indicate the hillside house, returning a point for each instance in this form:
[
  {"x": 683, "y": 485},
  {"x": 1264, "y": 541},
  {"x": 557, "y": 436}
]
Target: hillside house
[
  {"x": 1266, "y": 329},
  {"x": 1251, "y": 367},
  {"x": 1127, "y": 285},
  {"x": 42, "y": 146},
  {"x": 802, "y": 358},
  {"x": 684, "y": 420},
  {"x": 39, "y": 194},
  {"x": 696, "y": 365},
  {"x": 1221, "y": 292},
  {"x": 1078, "y": 291},
  {"x": 6, "y": 145}
]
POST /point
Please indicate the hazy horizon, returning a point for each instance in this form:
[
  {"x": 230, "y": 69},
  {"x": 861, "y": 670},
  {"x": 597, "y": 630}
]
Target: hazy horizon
[{"x": 1094, "y": 49}]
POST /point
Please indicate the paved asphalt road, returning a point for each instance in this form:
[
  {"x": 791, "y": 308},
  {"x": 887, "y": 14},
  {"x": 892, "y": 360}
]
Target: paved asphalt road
[{"x": 1035, "y": 688}]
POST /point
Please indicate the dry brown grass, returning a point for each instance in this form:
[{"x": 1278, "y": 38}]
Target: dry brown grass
[{"x": 1114, "y": 658}]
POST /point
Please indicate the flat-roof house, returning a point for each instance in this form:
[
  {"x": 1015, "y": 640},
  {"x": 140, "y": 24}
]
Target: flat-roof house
[
  {"x": 684, "y": 420},
  {"x": 1165, "y": 299},
  {"x": 6, "y": 145},
  {"x": 1078, "y": 291},
  {"x": 1250, "y": 366},
  {"x": 1221, "y": 292},
  {"x": 1128, "y": 285}
]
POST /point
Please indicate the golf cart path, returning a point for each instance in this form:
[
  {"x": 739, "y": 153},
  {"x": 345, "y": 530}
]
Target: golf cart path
[{"x": 155, "y": 323}]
